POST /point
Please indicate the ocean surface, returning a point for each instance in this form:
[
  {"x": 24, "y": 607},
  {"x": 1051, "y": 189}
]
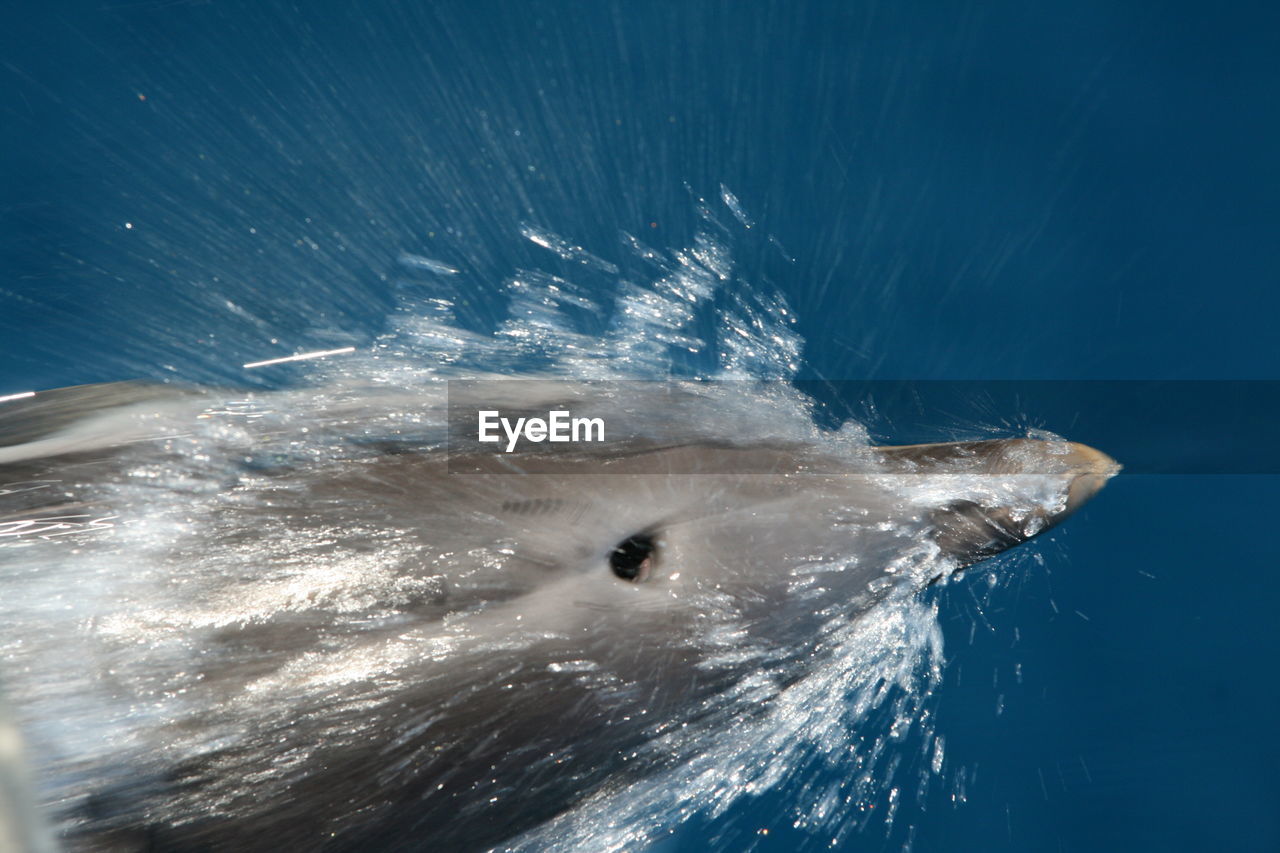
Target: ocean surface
[{"x": 1054, "y": 193}]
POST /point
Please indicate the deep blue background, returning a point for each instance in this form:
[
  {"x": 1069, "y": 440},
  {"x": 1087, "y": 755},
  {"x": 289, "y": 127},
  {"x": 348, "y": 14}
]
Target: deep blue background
[{"x": 1082, "y": 190}]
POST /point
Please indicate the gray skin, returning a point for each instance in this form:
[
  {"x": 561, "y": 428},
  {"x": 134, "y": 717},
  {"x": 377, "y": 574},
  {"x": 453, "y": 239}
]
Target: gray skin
[{"x": 377, "y": 651}]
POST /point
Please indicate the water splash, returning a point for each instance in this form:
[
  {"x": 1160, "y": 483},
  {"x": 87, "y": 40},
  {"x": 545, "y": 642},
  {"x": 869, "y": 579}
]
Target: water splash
[
  {"x": 843, "y": 724},
  {"x": 836, "y": 729}
]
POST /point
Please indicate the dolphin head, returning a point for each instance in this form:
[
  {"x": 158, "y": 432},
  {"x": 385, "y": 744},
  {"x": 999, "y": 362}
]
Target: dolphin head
[
  {"x": 670, "y": 522},
  {"x": 399, "y": 647}
]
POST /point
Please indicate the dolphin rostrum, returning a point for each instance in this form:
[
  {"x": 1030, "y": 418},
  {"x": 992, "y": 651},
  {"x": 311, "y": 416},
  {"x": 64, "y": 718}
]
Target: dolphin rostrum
[{"x": 271, "y": 622}]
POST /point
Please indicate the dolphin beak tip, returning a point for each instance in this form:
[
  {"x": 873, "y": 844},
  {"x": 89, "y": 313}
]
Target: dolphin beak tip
[{"x": 1093, "y": 469}]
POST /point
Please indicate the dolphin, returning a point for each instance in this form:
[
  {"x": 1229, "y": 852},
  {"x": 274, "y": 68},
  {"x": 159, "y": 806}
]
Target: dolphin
[{"x": 304, "y": 620}]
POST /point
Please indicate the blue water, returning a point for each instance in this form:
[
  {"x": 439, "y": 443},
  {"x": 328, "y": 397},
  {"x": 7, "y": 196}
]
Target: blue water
[{"x": 1057, "y": 191}]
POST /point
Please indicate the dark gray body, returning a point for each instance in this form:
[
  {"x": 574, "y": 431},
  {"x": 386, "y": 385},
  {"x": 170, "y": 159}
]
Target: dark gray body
[{"x": 223, "y": 633}]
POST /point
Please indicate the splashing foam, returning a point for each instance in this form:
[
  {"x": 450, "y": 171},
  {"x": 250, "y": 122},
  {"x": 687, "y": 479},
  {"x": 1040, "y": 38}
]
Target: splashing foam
[
  {"x": 843, "y": 723},
  {"x": 654, "y": 330},
  {"x": 834, "y": 729}
]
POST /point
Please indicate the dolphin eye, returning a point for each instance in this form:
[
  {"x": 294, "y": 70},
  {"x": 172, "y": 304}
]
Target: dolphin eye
[{"x": 632, "y": 558}]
